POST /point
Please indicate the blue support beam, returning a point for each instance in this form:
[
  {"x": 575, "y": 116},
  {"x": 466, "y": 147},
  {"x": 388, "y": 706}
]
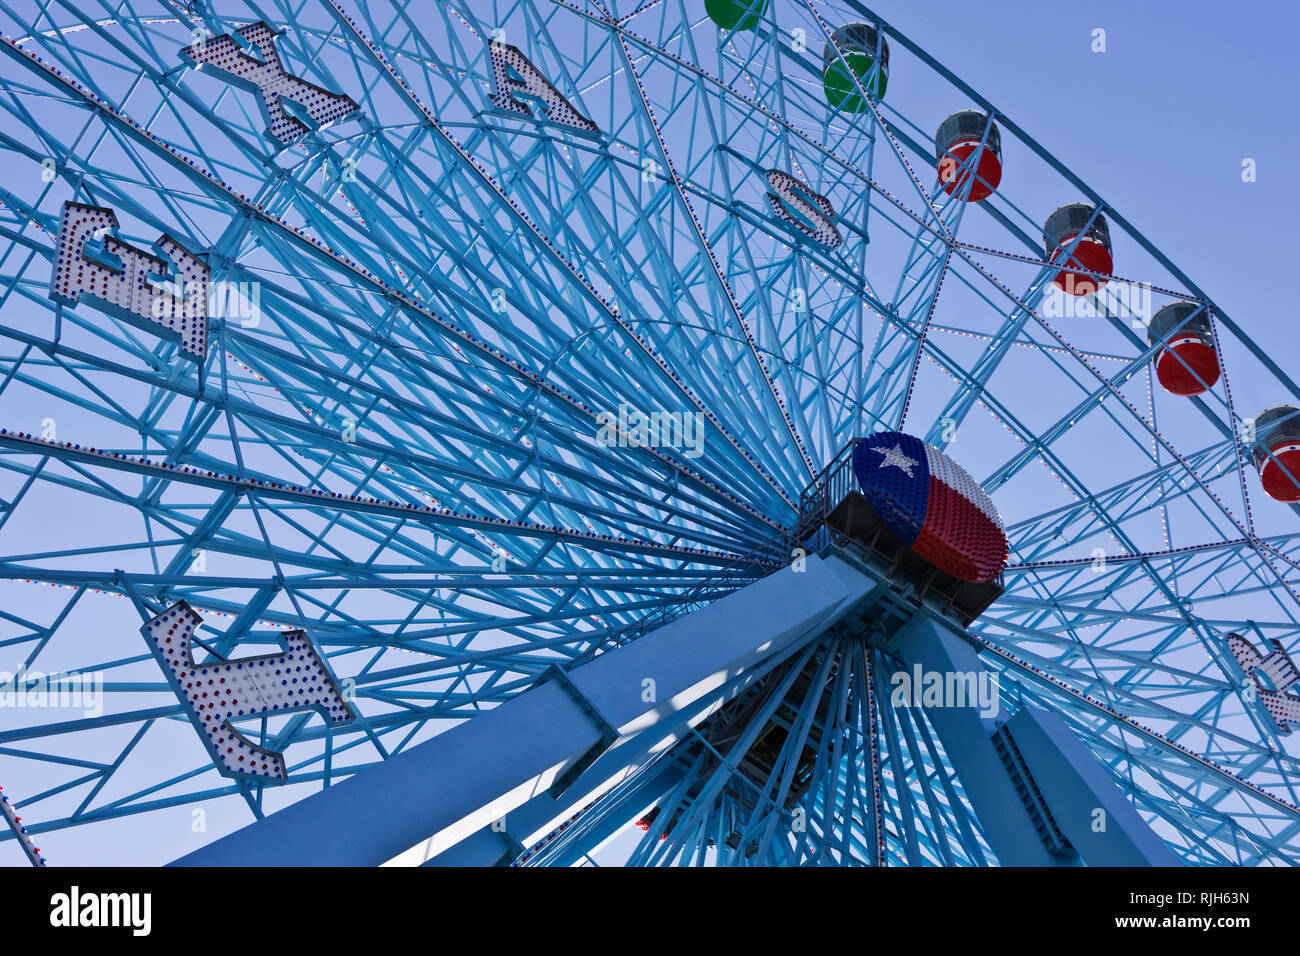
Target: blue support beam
[
  {"x": 936, "y": 647},
  {"x": 451, "y": 786},
  {"x": 1041, "y": 797},
  {"x": 1097, "y": 819}
]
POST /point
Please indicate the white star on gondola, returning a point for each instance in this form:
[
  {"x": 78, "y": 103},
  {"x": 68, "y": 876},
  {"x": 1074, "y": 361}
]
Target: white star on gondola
[{"x": 894, "y": 456}]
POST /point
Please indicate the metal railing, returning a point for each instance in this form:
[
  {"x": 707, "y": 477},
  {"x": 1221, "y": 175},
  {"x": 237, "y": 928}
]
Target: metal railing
[{"x": 819, "y": 498}]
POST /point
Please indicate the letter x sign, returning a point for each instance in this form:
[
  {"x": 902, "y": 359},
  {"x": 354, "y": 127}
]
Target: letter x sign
[{"x": 269, "y": 78}]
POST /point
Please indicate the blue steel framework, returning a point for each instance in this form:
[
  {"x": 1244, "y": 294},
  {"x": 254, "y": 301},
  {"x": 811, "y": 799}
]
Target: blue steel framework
[{"x": 397, "y": 450}]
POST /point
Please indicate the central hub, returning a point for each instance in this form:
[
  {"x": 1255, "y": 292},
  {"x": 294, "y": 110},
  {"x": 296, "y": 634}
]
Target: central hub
[{"x": 933, "y": 504}]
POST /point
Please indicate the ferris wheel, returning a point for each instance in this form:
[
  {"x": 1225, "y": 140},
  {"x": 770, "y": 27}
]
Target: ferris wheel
[{"x": 486, "y": 381}]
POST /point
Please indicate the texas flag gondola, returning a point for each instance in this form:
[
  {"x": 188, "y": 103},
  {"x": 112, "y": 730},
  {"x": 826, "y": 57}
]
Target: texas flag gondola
[{"x": 932, "y": 504}]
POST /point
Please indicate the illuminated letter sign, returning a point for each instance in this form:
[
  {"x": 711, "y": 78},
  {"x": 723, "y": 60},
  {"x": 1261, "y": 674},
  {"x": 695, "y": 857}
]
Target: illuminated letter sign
[
  {"x": 531, "y": 83},
  {"x": 130, "y": 292},
  {"x": 1281, "y": 672},
  {"x": 268, "y": 77},
  {"x": 215, "y": 692},
  {"x": 809, "y": 212}
]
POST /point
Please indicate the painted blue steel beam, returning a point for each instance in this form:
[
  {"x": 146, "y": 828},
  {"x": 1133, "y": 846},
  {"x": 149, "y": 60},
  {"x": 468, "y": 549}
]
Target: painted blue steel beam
[
  {"x": 500, "y": 843},
  {"x": 451, "y": 786},
  {"x": 937, "y": 647},
  {"x": 612, "y": 808},
  {"x": 1096, "y": 818},
  {"x": 605, "y": 810}
]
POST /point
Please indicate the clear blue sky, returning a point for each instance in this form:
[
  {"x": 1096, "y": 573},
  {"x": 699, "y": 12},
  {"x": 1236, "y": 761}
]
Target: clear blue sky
[{"x": 1158, "y": 125}]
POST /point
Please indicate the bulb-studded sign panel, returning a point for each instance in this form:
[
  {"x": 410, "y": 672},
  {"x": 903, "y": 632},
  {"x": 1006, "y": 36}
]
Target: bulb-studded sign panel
[{"x": 930, "y": 501}]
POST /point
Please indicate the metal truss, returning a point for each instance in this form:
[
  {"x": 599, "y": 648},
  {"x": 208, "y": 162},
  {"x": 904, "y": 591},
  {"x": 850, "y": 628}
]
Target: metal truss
[{"x": 433, "y": 307}]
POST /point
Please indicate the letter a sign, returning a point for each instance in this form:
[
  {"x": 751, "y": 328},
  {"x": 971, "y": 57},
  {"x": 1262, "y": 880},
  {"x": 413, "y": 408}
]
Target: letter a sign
[
  {"x": 213, "y": 693},
  {"x": 127, "y": 290}
]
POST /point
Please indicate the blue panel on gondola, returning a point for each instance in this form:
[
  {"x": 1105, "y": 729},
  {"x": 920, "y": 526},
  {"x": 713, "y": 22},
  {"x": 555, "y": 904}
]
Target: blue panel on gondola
[{"x": 892, "y": 469}]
